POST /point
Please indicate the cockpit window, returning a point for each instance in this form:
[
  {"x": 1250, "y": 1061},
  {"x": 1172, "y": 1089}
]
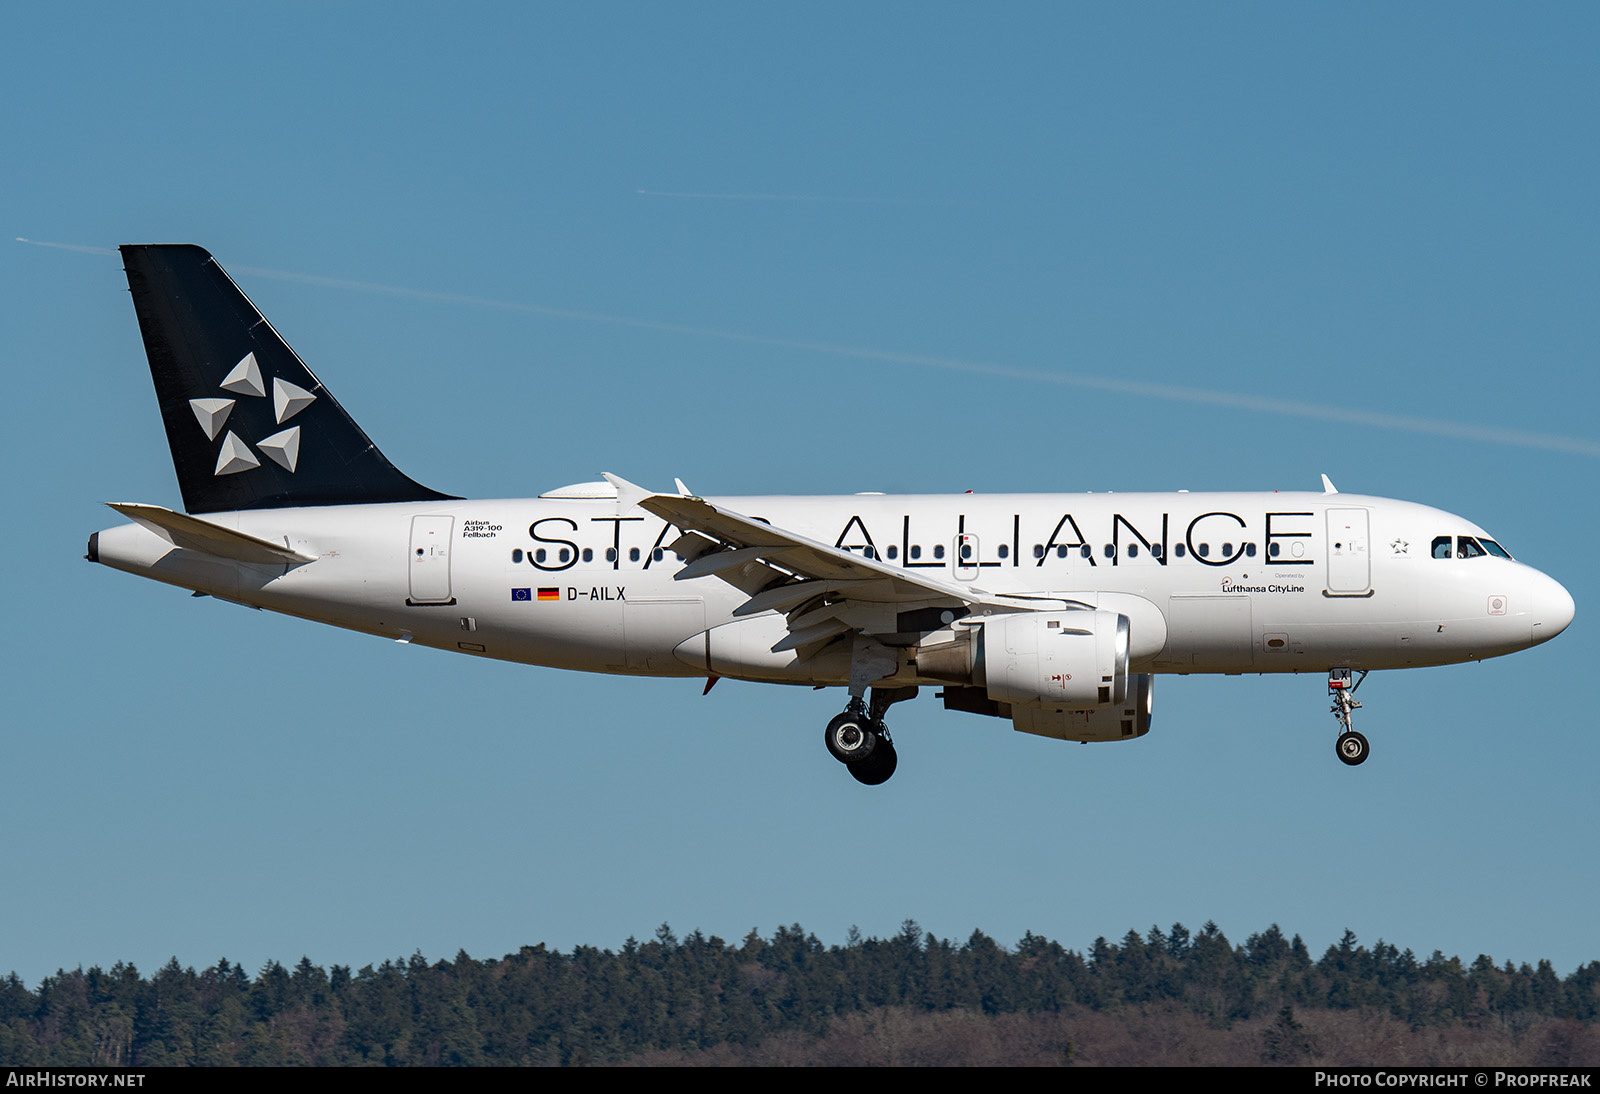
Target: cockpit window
[{"x": 1467, "y": 547}]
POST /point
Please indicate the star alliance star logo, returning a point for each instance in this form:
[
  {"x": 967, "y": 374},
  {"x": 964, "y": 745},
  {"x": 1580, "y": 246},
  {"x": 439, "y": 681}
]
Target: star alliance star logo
[
  {"x": 1398, "y": 546},
  {"x": 282, "y": 448}
]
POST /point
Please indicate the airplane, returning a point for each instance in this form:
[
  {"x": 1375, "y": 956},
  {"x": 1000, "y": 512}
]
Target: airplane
[{"x": 1052, "y": 611}]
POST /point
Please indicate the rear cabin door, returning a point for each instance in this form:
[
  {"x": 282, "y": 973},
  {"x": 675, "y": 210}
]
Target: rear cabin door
[{"x": 430, "y": 560}]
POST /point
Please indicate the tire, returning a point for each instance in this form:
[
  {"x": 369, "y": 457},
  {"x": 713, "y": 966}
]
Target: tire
[
  {"x": 876, "y": 770},
  {"x": 850, "y": 738},
  {"x": 1352, "y": 748}
]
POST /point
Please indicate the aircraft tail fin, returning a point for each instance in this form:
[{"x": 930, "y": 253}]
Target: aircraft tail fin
[{"x": 249, "y": 426}]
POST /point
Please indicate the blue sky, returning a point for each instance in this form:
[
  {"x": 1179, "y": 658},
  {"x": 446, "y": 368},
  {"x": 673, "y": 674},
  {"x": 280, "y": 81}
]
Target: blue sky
[{"x": 818, "y": 249}]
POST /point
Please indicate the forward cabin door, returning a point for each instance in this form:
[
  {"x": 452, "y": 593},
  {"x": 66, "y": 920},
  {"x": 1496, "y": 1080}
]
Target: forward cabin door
[
  {"x": 430, "y": 560},
  {"x": 1349, "y": 560}
]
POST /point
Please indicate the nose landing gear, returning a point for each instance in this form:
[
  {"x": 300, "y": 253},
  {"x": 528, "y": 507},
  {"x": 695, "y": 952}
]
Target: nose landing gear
[{"x": 1352, "y": 747}]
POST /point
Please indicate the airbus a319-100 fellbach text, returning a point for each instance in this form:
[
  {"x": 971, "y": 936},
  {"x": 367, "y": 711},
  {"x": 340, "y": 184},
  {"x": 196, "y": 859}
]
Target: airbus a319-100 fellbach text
[{"x": 1055, "y": 611}]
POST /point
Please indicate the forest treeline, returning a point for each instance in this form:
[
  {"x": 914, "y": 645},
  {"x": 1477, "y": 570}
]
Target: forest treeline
[{"x": 1165, "y": 996}]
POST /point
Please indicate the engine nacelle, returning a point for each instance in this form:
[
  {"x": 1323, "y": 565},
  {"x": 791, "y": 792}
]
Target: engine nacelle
[
  {"x": 1123, "y": 722},
  {"x": 1071, "y": 660}
]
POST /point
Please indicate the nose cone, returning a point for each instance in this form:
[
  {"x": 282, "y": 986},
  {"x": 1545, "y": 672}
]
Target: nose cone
[{"x": 1552, "y": 608}]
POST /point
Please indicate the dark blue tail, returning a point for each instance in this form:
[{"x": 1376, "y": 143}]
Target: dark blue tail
[{"x": 250, "y": 427}]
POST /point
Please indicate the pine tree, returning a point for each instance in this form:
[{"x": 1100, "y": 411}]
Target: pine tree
[{"x": 1285, "y": 1042}]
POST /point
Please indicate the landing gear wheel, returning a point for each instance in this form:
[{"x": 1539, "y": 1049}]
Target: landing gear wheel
[
  {"x": 851, "y": 739},
  {"x": 1352, "y": 748},
  {"x": 876, "y": 769}
]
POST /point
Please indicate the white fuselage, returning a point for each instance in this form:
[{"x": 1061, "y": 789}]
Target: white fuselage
[{"x": 1220, "y": 583}]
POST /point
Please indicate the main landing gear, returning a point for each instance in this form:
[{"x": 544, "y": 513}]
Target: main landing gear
[
  {"x": 859, "y": 739},
  {"x": 1352, "y": 747}
]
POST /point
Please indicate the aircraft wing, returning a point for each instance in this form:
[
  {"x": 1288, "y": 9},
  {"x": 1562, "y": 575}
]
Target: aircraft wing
[{"x": 836, "y": 591}]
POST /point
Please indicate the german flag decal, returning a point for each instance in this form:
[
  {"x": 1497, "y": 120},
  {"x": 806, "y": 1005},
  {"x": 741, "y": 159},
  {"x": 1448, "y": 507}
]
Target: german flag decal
[{"x": 549, "y": 594}]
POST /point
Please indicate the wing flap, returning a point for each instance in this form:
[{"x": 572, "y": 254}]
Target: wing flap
[
  {"x": 804, "y": 636},
  {"x": 717, "y": 561},
  {"x": 783, "y": 597}
]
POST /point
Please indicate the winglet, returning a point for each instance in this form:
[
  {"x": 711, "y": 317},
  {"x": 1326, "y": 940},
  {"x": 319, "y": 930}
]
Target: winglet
[
  {"x": 629, "y": 494},
  {"x": 1328, "y": 487}
]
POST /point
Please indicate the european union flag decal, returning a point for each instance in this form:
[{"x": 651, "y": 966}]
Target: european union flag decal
[{"x": 521, "y": 594}]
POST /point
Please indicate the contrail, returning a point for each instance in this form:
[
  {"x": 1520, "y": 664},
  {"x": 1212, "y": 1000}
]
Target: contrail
[
  {"x": 762, "y": 197},
  {"x": 1435, "y": 427},
  {"x": 1173, "y": 393},
  {"x": 80, "y": 248}
]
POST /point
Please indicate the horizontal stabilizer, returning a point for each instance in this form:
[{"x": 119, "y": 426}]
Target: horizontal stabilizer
[{"x": 194, "y": 534}]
